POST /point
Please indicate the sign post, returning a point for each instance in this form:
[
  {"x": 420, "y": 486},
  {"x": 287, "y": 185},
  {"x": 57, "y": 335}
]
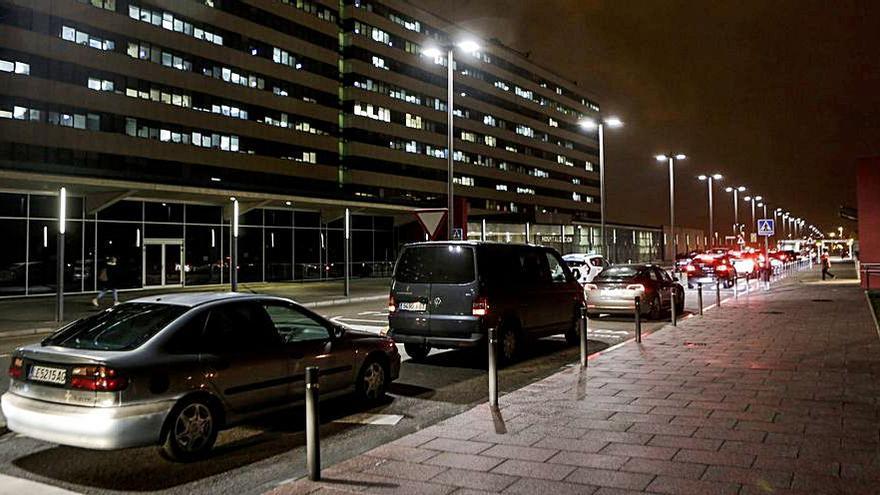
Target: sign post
[{"x": 766, "y": 228}]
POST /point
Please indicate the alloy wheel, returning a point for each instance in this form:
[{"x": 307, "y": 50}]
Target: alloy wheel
[{"x": 193, "y": 427}]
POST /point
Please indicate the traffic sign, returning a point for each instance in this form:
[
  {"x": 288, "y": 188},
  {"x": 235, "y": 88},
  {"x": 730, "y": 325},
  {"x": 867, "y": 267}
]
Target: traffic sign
[
  {"x": 431, "y": 219},
  {"x": 766, "y": 227}
]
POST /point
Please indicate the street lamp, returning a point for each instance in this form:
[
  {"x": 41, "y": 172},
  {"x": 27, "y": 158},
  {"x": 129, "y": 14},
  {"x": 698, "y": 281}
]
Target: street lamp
[
  {"x": 735, "y": 190},
  {"x": 671, "y": 159},
  {"x": 467, "y": 46},
  {"x": 590, "y": 124},
  {"x": 233, "y": 276},
  {"x": 753, "y": 200},
  {"x": 62, "y": 229},
  {"x": 709, "y": 180}
]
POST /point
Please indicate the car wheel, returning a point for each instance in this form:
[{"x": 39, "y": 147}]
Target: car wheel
[
  {"x": 655, "y": 309},
  {"x": 418, "y": 352},
  {"x": 372, "y": 381},
  {"x": 190, "y": 432},
  {"x": 508, "y": 345}
]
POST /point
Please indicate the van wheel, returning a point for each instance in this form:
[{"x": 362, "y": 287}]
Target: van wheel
[
  {"x": 508, "y": 345},
  {"x": 190, "y": 432},
  {"x": 418, "y": 352}
]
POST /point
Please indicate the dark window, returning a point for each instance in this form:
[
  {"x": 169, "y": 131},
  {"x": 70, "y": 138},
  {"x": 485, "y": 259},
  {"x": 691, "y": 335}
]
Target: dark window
[
  {"x": 240, "y": 326},
  {"x": 446, "y": 264},
  {"x": 294, "y": 325},
  {"x": 187, "y": 339},
  {"x": 120, "y": 328},
  {"x": 618, "y": 273},
  {"x": 558, "y": 271}
]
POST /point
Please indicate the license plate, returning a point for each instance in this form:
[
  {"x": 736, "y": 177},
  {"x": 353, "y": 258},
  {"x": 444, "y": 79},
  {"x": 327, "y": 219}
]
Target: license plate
[
  {"x": 50, "y": 375},
  {"x": 412, "y": 306}
]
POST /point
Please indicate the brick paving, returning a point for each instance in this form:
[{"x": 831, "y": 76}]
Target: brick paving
[{"x": 774, "y": 394}]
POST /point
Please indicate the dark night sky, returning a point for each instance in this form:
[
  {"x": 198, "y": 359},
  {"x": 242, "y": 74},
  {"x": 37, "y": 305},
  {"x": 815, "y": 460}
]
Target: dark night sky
[{"x": 781, "y": 96}]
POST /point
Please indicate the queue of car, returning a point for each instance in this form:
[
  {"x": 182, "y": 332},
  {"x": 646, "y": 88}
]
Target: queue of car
[{"x": 173, "y": 370}]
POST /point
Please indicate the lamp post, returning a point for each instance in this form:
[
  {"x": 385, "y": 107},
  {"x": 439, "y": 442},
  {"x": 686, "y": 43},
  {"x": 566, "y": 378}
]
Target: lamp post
[
  {"x": 436, "y": 53},
  {"x": 671, "y": 159},
  {"x": 753, "y": 200},
  {"x": 589, "y": 124},
  {"x": 710, "y": 179},
  {"x": 233, "y": 273},
  {"x": 62, "y": 228},
  {"x": 735, "y": 190}
]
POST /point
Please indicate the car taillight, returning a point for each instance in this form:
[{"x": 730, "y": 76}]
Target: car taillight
[
  {"x": 691, "y": 268},
  {"x": 16, "y": 368},
  {"x": 97, "y": 378},
  {"x": 721, "y": 268},
  {"x": 591, "y": 287},
  {"x": 392, "y": 304},
  {"x": 635, "y": 287},
  {"x": 480, "y": 307}
]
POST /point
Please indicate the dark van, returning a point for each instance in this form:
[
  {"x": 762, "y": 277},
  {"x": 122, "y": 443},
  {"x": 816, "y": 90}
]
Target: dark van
[{"x": 447, "y": 294}]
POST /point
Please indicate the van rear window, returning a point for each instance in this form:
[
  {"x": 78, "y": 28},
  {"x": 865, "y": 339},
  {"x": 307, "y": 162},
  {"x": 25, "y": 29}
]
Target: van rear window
[{"x": 443, "y": 264}]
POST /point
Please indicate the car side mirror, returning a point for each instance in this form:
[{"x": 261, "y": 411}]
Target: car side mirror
[{"x": 337, "y": 332}]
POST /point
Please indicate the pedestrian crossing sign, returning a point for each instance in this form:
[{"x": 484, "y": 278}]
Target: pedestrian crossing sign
[{"x": 766, "y": 227}]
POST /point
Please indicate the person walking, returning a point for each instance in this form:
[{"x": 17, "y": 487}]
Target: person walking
[
  {"x": 826, "y": 265},
  {"x": 107, "y": 282}
]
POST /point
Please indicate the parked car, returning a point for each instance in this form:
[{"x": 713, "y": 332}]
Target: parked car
[
  {"x": 585, "y": 267},
  {"x": 174, "y": 369},
  {"x": 447, "y": 294},
  {"x": 709, "y": 269},
  {"x": 615, "y": 289}
]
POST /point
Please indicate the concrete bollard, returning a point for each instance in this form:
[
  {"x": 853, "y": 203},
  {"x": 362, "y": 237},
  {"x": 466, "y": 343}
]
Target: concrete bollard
[
  {"x": 493, "y": 367},
  {"x": 313, "y": 422},
  {"x": 637, "y": 308},
  {"x": 584, "y": 328},
  {"x": 700, "y": 296}
]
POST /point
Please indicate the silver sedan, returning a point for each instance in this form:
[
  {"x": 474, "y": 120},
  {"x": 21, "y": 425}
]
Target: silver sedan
[{"x": 172, "y": 370}]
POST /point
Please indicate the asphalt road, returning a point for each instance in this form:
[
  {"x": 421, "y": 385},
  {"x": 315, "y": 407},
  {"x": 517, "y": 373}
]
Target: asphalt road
[{"x": 255, "y": 457}]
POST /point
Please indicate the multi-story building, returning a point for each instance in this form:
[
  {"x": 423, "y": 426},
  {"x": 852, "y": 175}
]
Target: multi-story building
[{"x": 153, "y": 114}]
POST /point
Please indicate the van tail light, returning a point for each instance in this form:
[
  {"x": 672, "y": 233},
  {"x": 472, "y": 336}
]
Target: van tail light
[
  {"x": 392, "y": 304},
  {"x": 591, "y": 287},
  {"x": 16, "y": 368},
  {"x": 480, "y": 307},
  {"x": 691, "y": 268},
  {"x": 638, "y": 287},
  {"x": 97, "y": 378}
]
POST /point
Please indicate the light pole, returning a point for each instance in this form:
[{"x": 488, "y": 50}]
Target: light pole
[
  {"x": 710, "y": 179},
  {"x": 735, "y": 190},
  {"x": 436, "y": 53},
  {"x": 589, "y": 124},
  {"x": 753, "y": 200},
  {"x": 671, "y": 159},
  {"x": 233, "y": 274},
  {"x": 62, "y": 228}
]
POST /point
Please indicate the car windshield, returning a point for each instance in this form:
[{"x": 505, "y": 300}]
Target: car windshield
[
  {"x": 120, "y": 328},
  {"x": 618, "y": 273},
  {"x": 443, "y": 264}
]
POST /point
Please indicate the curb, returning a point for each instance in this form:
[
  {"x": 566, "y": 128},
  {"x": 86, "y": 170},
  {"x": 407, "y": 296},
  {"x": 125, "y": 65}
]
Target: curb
[{"x": 28, "y": 331}]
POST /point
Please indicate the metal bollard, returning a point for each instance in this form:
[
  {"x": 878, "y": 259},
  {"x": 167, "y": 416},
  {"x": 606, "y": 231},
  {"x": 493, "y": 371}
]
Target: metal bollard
[
  {"x": 717, "y": 294},
  {"x": 584, "y": 328},
  {"x": 736, "y": 287},
  {"x": 313, "y": 422},
  {"x": 637, "y": 307},
  {"x": 672, "y": 307},
  {"x": 493, "y": 367},
  {"x": 700, "y": 296}
]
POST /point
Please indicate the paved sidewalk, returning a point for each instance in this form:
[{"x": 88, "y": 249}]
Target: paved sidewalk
[
  {"x": 29, "y": 315},
  {"x": 770, "y": 394}
]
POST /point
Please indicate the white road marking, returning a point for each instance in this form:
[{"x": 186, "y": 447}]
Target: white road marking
[
  {"x": 373, "y": 313},
  {"x": 345, "y": 319},
  {"x": 11, "y": 485},
  {"x": 5, "y": 355},
  {"x": 372, "y": 419}
]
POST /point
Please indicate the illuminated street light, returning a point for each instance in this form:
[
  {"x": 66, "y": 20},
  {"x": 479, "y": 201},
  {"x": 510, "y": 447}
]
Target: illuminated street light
[
  {"x": 590, "y": 124},
  {"x": 233, "y": 275},
  {"x": 62, "y": 229},
  {"x": 671, "y": 159},
  {"x": 435, "y": 52},
  {"x": 710, "y": 179},
  {"x": 735, "y": 190}
]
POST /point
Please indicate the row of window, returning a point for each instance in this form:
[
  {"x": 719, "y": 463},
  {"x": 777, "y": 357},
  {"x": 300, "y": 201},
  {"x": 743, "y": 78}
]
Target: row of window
[
  {"x": 83, "y": 38},
  {"x": 169, "y": 21}
]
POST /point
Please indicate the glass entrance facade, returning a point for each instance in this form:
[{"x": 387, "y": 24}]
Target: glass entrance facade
[{"x": 173, "y": 244}]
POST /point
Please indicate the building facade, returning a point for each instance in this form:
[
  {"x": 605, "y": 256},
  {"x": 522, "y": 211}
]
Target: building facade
[{"x": 155, "y": 114}]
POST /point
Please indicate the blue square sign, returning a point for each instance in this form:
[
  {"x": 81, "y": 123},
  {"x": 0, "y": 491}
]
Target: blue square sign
[{"x": 766, "y": 227}]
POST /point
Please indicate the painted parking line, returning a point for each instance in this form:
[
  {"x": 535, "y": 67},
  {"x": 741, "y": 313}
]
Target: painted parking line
[{"x": 371, "y": 419}]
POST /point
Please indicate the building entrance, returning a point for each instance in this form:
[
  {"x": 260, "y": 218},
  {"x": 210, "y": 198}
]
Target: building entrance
[{"x": 163, "y": 262}]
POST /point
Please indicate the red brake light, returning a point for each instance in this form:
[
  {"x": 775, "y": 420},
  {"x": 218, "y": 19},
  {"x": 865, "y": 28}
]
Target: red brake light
[
  {"x": 392, "y": 304},
  {"x": 691, "y": 268},
  {"x": 16, "y": 368},
  {"x": 721, "y": 268},
  {"x": 97, "y": 378},
  {"x": 480, "y": 307}
]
